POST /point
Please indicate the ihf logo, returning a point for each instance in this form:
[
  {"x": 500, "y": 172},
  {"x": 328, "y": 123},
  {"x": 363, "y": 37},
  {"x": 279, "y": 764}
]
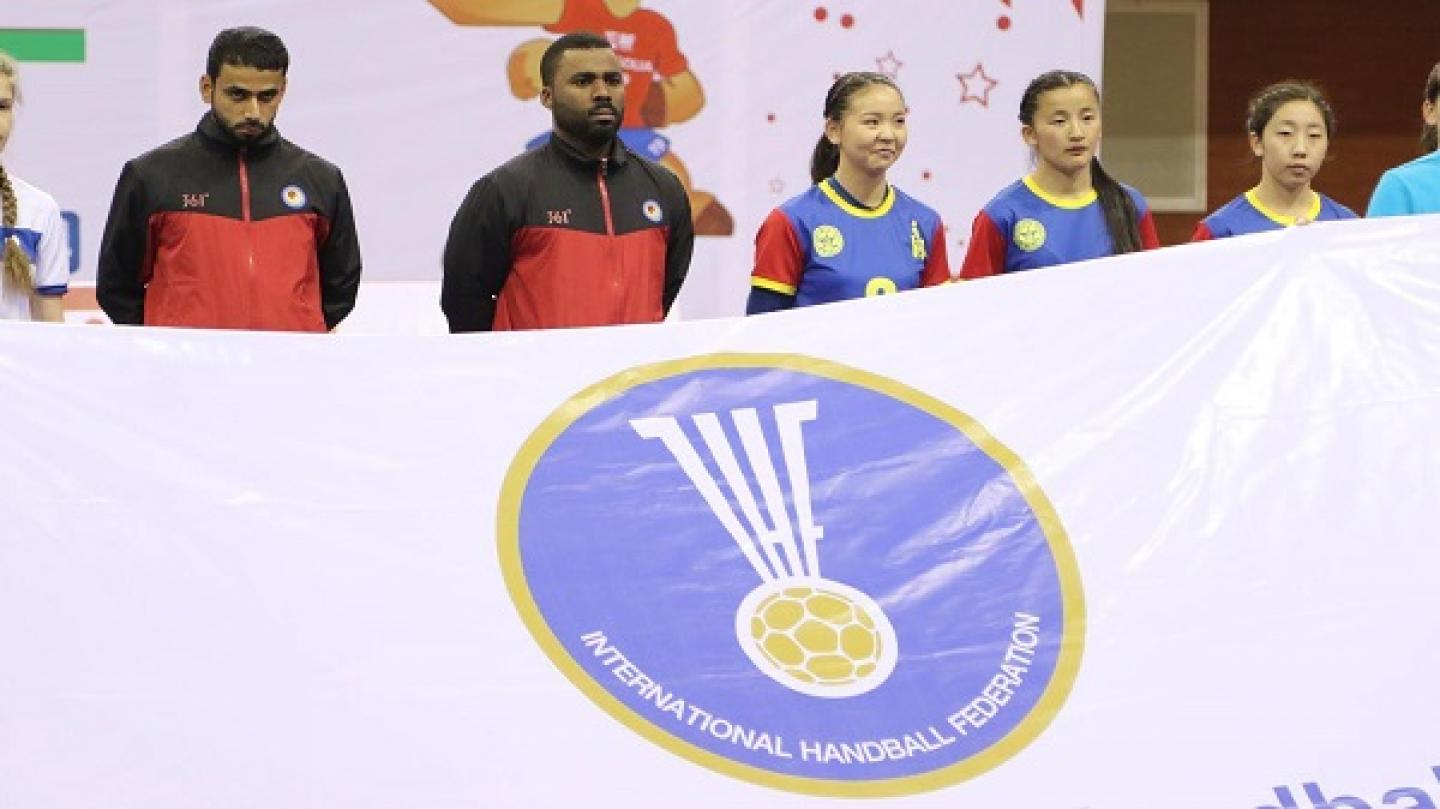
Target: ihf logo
[
  {"x": 808, "y": 633},
  {"x": 794, "y": 572}
]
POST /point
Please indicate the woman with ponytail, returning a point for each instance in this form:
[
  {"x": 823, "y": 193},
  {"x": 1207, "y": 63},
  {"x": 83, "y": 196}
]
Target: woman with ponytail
[
  {"x": 1415, "y": 186},
  {"x": 852, "y": 234},
  {"x": 35, "y": 256},
  {"x": 1067, "y": 209},
  {"x": 1290, "y": 125}
]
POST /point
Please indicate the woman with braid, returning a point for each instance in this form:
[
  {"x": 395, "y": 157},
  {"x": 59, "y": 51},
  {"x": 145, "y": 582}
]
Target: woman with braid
[
  {"x": 35, "y": 255},
  {"x": 852, "y": 234},
  {"x": 1067, "y": 209}
]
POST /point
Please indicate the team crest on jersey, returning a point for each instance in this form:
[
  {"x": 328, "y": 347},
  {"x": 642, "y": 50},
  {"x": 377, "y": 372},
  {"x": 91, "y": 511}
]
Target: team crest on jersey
[
  {"x": 828, "y": 241},
  {"x": 917, "y": 242},
  {"x": 652, "y": 210},
  {"x": 742, "y": 558},
  {"x": 1029, "y": 235},
  {"x": 293, "y": 196}
]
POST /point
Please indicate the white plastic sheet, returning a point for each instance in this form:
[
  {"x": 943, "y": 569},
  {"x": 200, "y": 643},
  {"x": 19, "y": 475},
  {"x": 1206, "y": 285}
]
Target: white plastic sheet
[{"x": 256, "y": 569}]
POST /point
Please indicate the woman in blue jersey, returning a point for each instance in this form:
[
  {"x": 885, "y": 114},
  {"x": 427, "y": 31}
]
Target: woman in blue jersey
[
  {"x": 1068, "y": 209},
  {"x": 35, "y": 256},
  {"x": 852, "y": 234},
  {"x": 1415, "y": 186},
  {"x": 1290, "y": 126}
]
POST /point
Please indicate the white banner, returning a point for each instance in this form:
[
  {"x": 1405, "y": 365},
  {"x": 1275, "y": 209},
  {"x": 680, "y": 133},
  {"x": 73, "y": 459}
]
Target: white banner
[
  {"x": 1151, "y": 531},
  {"x": 414, "y": 107}
]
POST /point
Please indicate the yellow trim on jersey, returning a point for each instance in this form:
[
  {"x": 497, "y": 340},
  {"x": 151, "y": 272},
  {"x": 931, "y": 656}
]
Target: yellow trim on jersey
[
  {"x": 773, "y": 286},
  {"x": 864, "y": 213},
  {"x": 1254, "y": 199},
  {"x": 1059, "y": 202}
]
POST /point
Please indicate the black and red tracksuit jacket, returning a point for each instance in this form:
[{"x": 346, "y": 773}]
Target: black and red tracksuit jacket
[
  {"x": 207, "y": 232},
  {"x": 554, "y": 239}
]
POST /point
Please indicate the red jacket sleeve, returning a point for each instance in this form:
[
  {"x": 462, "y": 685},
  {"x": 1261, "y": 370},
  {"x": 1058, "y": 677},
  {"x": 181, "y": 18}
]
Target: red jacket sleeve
[
  {"x": 779, "y": 258},
  {"x": 985, "y": 254},
  {"x": 1149, "y": 239},
  {"x": 937, "y": 265},
  {"x": 1202, "y": 233}
]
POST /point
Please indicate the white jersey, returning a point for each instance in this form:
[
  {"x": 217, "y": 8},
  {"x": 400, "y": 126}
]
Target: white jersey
[{"x": 41, "y": 232}]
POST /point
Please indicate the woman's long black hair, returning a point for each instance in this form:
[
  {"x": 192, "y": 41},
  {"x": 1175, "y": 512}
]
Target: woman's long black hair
[
  {"x": 1122, "y": 220},
  {"x": 826, "y": 157}
]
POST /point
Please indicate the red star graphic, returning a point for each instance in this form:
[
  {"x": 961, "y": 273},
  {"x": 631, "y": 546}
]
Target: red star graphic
[
  {"x": 973, "y": 81},
  {"x": 888, "y": 65}
]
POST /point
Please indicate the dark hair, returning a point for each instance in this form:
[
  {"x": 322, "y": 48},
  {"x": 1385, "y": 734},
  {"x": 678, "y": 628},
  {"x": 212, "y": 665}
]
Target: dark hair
[
  {"x": 578, "y": 41},
  {"x": 1265, "y": 103},
  {"x": 1122, "y": 220},
  {"x": 246, "y": 47},
  {"x": 826, "y": 157},
  {"x": 1430, "y": 137}
]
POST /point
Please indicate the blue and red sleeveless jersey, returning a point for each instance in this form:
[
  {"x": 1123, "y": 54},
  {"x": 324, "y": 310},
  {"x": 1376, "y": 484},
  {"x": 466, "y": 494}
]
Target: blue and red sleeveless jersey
[
  {"x": 1025, "y": 228},
  {"x": 1246, "y": 214},
  {"x": 823, "y": 246}
]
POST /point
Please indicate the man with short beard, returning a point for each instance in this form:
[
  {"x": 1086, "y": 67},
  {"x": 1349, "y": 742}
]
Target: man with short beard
[
  {"x": 232, "y": 226},
  {"x": 578, "y": 232}
]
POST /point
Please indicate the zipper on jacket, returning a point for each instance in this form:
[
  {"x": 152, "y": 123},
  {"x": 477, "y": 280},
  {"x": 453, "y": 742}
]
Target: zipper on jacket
[
  {"x": 245, "y": 217},
  {"x": 605, "y": 196},
  {"x": 244, "y": 187},
  {"x": 612, "y": 243}
]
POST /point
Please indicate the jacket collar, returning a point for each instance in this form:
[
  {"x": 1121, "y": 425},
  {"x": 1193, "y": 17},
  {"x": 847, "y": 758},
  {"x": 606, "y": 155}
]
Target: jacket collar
[
  {"x": 211, "y": 130},
  {"x": 617, "y": 156}
]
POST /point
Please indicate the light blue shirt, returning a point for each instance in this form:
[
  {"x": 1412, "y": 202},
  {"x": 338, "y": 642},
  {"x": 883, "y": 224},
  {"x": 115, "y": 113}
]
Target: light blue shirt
[{"x": 1409, "y": 189}]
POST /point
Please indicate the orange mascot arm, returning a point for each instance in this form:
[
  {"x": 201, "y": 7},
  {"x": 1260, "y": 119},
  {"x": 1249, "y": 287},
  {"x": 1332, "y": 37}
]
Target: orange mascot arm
[{"x": 501, "y": 12}]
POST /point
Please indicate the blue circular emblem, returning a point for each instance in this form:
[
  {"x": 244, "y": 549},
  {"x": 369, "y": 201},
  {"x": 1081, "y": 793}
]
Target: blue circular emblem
[
  {"x": 293, "y": 196},
  {"x": 794, "y": 572}
]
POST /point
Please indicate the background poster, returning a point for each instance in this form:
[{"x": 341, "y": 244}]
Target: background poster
[{"x": 414, "y": 107}]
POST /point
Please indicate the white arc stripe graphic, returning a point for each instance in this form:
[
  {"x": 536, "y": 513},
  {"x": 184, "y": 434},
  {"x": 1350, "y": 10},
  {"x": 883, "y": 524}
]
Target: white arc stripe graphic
[{"x": 759, "y": 543}]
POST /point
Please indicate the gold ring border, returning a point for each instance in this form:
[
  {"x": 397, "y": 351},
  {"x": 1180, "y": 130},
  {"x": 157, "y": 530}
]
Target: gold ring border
[{"x": 1072, "y": 640}]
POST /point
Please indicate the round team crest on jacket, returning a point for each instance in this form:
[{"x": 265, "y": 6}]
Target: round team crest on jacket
[
  {"x": 293, "y": 196},
  {"x": 1029, "y": 235},
  {"x": 828, "y": 241},
  {"x": 652, "y": 210},
  {"x": 744, "y": 559}
]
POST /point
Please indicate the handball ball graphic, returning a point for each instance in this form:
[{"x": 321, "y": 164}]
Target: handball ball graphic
[
  {"x": 806, "y": 632},
  {"x": 816, "y": 636}
]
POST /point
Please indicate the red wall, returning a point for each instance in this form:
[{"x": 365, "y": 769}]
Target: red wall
[{"x": 1372, "y": 58}]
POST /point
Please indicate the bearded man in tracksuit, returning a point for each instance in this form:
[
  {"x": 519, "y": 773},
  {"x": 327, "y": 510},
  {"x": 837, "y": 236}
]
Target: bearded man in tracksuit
[
  {"x": 580, "y": 231},
  {"x": 232, "y": 226}
]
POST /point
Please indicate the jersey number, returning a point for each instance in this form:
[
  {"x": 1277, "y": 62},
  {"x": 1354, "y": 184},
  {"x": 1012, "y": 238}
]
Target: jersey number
[{"x": 880, "y": 285}]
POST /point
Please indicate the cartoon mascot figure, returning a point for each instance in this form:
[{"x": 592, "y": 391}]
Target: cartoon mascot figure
[{"x": 660, "y": 89}]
